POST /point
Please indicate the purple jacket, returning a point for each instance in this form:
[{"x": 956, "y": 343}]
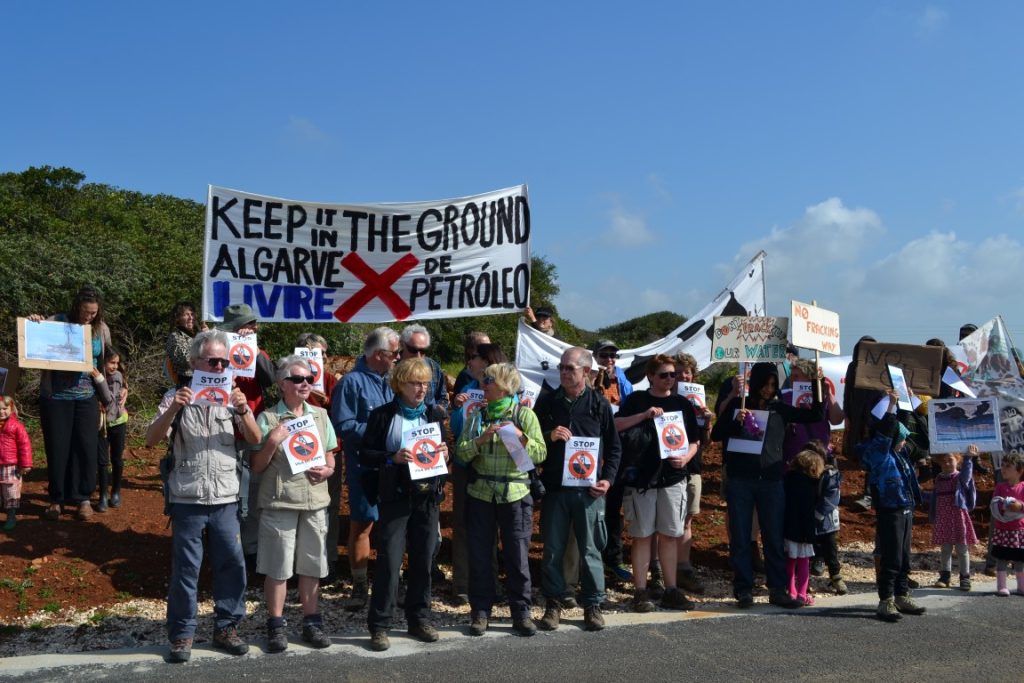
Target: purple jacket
[{"x": 965, "y": 496}]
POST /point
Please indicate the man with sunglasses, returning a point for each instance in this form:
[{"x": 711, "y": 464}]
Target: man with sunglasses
[
  {"x": 416, "y": 344},
  {"x": 358, "y": 393}
]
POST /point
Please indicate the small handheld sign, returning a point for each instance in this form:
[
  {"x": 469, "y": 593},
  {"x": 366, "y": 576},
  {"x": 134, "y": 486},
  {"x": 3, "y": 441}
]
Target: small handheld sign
[
  {"x": 209, "y": 387},
  {"x": 802, "y": 395},
  {"x": 751, "y": 438},
  {"x": 316, "y": 363},
  {"x": 580, "y": 467},
  {"x": 899, "y": 385},
  {"x": 516, "y": 450},
  {"x": 424, "y": 442},
  {"x": 474, "y": 400},
  {"x": 242, "y": 350},
  {"x": 695, "y": 393},
  {"x": 302, "y": 446},
  {"x": 672, "y": 439}
]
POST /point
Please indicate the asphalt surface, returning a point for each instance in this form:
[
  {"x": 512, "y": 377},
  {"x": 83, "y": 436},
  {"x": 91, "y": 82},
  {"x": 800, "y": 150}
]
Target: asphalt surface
[{"x": 965, "y": 637}]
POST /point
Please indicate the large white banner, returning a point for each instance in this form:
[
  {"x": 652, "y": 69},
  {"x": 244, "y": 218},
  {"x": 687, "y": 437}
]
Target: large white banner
[
  {"x": 303, "y": 261},
  {"x": 537, "y": 354}
]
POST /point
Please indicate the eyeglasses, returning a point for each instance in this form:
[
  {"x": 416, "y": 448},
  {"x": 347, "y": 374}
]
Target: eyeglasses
[
  {"x": 607, "y": 355},
  {"x": 299, "y": 379},
  {"x": 390, "y": 353},
  {"x": 567, "y": 368},
  {"x": 216, "y": 362},
  {"x": 419, "y": 384},
  {"x": 666, "y": 375},
  {"x": 489, "y": 380},
  {"x": 414, "y": 351}
]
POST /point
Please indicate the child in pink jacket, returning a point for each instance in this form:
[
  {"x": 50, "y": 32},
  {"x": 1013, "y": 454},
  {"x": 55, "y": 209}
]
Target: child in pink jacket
[{"x": 15, "y": 458}]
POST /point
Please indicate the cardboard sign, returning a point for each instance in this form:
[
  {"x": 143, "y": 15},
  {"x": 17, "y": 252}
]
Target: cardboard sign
[
  {"x": 303, "y": 446},
  {"x": 672, "y": 439},
  {"x": 581, "y": 460},
  {"x": 316, "y": 364},
  {"x": 815, "y": 328},
  {"x": 922, "y": 366},
  {"x": 751, "y": 440},
  {"x": 516, "y": 450},
  {"x": 242, "y": 351},
  {"x": 899, "y": 385},
  {"x": 956, "y": 423},
  {"x": 752, "y": 339},
  {"x": 695, "y": 393},
  {"x": 208, "y": 387},
  {"x": 425, "y": 444}
]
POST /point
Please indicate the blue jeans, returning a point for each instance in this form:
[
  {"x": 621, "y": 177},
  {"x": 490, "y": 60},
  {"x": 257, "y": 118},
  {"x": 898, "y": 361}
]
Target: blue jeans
[
  {"x": 743, "y": 496},
  {"x": 220, "y": 522}
]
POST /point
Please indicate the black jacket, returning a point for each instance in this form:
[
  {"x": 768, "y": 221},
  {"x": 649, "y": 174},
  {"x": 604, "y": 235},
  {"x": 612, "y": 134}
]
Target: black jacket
[
  {"x": 591, "y": 416},
  {"x": 640, "y": 451},
  {"x": 769, "y": 464},
  {"x": 801, "y": 500},
  {"x": 385, "y": 481}
]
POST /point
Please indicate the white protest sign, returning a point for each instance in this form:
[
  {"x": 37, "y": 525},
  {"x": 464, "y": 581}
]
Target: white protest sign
[
  {"x": 815, "y": 328},
  {"x": 424, "y": 442},
  {"x": 751, "y": 440},
  {"x": 515, "y": 448},
  {"x": 242, "y": 350},
  {"x": 529, "y": 393},
  {"x": 899, "y": 385},
  {"x": 753, "y": 339},
  {"x": 580, "y": 466},
  {"x": 302, "y": 446},
  {"x": 695, "y": 393},
  {"x": 295, "y": 261},
  {"x": 954, "y": 424},
  {"x": 315, "y": 357},
  {"x": 953, "y": 380},
  {"x": 474, "y": 399},
  {"x": 672, "y": 439},
  {"x": 802, "y": 395},
  {"x": 209, "y": 387}
]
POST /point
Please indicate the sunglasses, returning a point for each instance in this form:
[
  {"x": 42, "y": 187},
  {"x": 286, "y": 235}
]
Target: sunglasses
[
  {"x": 607, "y": 355},
  {"x": 414, "y": 351},
  {"x": 216, "y": 362},
  {"x": 666, "y": 375},
  {"x": 299, "y": 379},
  {"x": 567, "y": 368},
  {"x": 489, "y": 380},
  {"x": 391, "y": 354}
]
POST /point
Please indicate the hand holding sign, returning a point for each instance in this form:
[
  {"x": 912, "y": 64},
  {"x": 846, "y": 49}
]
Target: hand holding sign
[
  {"x": 580, "y": 466},
  {"x": 210, "y": 387},
  {"x": 302, "y": 446},
  {"x": 672, "y": 440},
  {"x": 424, "y": 450},
  {"x": 242, "y": 354}
]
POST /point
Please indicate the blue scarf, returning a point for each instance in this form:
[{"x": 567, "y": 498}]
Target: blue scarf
[{"x": 411, "y": 414}]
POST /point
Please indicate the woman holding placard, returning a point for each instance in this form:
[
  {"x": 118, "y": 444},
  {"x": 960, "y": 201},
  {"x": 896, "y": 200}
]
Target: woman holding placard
[
  {"x": 405, "y": 444},
  {"x": 293, "y": 501}
]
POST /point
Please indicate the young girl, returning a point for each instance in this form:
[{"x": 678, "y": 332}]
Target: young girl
[
  {"x": 15, "y": 458},
  {"x": 111, "y": 449},
  {"x": 802, "y": 485},
  {"x": 826, "y": 519},
  {"x": 949, "y": 511},
  {"x": 1008, "y": 518}
]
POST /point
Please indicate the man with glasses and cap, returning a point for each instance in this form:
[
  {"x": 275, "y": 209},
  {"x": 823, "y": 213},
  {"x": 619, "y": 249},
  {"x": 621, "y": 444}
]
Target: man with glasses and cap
[
  {"x": 416, "y": 344},
  {"x": 357, "y": 394}
]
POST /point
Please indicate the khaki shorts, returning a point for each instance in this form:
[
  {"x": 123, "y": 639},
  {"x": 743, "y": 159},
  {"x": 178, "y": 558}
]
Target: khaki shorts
[
  {"x": 693, "y": 491},
  {"x": 661, "y": 510},
  {"x": 292, "y": 542}
]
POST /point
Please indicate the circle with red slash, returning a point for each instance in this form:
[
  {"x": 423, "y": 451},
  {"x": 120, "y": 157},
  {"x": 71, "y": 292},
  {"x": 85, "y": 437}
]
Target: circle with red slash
[
  {"x": 213, "y": 395},
  {"x": 672, "y": 436},
  {"x": 425, "y": 454},
  {"x": 241, "y": 357},
  {"x": 317, "y": 369},
  {"x": 582, "y": 465},
  {"x": 303, "y": 446}
]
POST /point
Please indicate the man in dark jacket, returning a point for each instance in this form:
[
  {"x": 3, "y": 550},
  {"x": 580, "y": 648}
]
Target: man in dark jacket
[{"x": 575, "y": 497}]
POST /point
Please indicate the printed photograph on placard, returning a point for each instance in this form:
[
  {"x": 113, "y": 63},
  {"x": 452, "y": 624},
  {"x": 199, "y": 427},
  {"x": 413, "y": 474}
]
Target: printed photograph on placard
[
  {"x": 956, "y": 423},
  {"x": 54, "y": 345},
  {"x": 900, "y": 386},
  {"x": 751, "y": 439}
]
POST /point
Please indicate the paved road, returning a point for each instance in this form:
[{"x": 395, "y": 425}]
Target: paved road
[{"x": 971, "y": 638}]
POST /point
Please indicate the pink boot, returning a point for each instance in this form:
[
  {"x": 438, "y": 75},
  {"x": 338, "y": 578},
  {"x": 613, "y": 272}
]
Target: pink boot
[
  {"x": 1020, "y": 582},
  {"x": 1001, "y": 589}
]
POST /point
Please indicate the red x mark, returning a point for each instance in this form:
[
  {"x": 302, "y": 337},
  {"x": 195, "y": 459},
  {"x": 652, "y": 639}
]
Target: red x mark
[{"x": 378, "y": 285}]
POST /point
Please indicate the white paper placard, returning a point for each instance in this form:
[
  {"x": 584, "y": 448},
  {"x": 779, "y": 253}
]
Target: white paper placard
[
  {"x": 953, "y": 380},
  {"x": 529, "y": 393},
  {"x": 242, "y": 351},
  {"x": 474, "y": 399},
  {"x": 302, "y": 446},
  {"x": 815, "y": 328},
  {"x": 956, "y": 423},
  {"x": 315, "y": 357},
  {"x": 515, "y": 448},
  {"x": 900, "y": 386},
  {"x": 424, "y": 442},
  {"x": 802, "y": 395},
  {"x": 581, "y": 460},
  {"x": 672, "y": 439},
  {"x": 752, "y": 438},
  {"x": 209, "y": 387},
  {"x": 695, "y": 393}
]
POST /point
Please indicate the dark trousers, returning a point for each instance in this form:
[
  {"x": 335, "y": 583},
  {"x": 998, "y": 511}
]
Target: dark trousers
[
  {"x": 894, "y": 535},
  {"x": 110, "y": 452},
  {"x": 514, "y": 521},
  {"x": 826, "y": 548},
  {"x": 410, "y": 523},
  {"x": 69, "y": 436},
  {"x": 768, "y": 498},
  {"x": 613, "y": 520},
  {"x": 574, "y": 509}
]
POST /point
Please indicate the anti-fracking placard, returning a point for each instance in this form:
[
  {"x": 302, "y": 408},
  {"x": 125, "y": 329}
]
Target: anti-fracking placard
[
  {"x": 424, "y": 442},
  {"x": 815, "y": 328},
  {"x": 298, "y": 261},
  {"x": 956, "y": 423},
  {"x": 581, "y": 460},
  {"x": 209, "y": 387},
  {"x": 315, "y": 358},
  {"x": 745, "y": 338},
  {"x": 303, "y": 446},
  {"x": 672, "y": 439},
  {"x": 921, "y": 365},
  {"x": 242, "y": 350}
]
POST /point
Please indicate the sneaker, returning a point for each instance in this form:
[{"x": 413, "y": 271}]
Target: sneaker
[
  {"x": 906, "y": 605},
  {"x": 360, "y": 596},
  {"x": 593, "y": 618},
  {"x": 569, "y": 602},
  {"x": 887, "y": 611},
  {"x": 53, "y": 513},
  {"x": 314, "y": 635},
  {"x": 84, "y": 511},
  {"x": 808, "y": 600},
  {"x": 478, "y": 626},
  {"x": 862, "y": 504},
  {"x": 379, "y": 641},
  {"x": 181, "y": 651},
  {"x": 277, "y": 638},
  {"x": 1003, "y": 592},
  {"x": 912, "y": 584},
  {"x": 115, "y": 499},
  {"x": 942, "y": 581},
  {"x": 656, "y": 587},
  {"x": 524, "y": 626},
  {"x": 745, "y": 601},
  {"x": 818, "y": 567},
  {"x": 552, "y": 615},
  {"x": 675, "y": 599},
  {"x": 784, "y": 600},
  {"x": 424, "y": 632},
  {"x": 689, "y": 581},
  {"x": 642, "y": 601},
  {"x": 227, "y": 639},
  {"x": 619, "y": 572},
  {"x": 965, "y": 582},
  {"x": 838, "y": 586}
]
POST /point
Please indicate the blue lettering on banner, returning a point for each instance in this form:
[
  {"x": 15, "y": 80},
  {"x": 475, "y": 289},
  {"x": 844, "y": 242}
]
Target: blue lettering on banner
[{"x": 295, "y": 302}]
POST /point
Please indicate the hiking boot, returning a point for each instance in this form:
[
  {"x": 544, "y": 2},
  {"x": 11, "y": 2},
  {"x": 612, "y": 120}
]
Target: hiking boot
[
  {"x": 53, "y": 513},
  {"x": 745, "y": 601},
  {"x": 478, "y": 626},
  {"x": 181, "y": 651},
  {"x": 84, "y": 511},
  {"x": 656, "y": 587},
  {"x": 689, "y": 581},
  {"x": 912, "y": 584},
  {"x": 942, "y": 581},
  {"x": 115, "y": 499},
  {"x": 887, "y": 611},
  {"x": 837, "y": 585},
  {"x": 619, "y": 572},
  {"x": 642, "y": 601},
  {"x": 424, "y": 632},
  {"x": 906, "y": 605},
  {"x": 818, "y": 567},
  {"x": 784, "y": 600},
  {"x": 102, "y": 505},
  {"x": 675, "y": 599},
  {"x": 313, "y": 634},
  {"x": 277, "y": 637},
  {"x": 360, "y": 596},
  {"x": 568, "y": 602},
  {"x": 379, "y": 641},
  {"x": 227, "y": 639},
  {"x": 965, "y": 582},
  {"x": 552, "y": 615},
  {"x": 862, "y": 504},
  {"x": 524, "y": 626},
  {"x": 593, "y": 618}
]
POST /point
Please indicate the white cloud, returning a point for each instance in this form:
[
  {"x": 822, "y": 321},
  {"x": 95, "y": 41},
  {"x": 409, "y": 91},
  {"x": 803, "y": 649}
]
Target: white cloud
[
  {"x": 931, "y": 20},
  {"x": 302, "y": 131},
  {"x": 627, "y": 229}
]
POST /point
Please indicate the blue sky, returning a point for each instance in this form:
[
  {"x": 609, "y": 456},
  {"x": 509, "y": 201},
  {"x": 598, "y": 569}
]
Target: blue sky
[{"x": 872, "y": 149}]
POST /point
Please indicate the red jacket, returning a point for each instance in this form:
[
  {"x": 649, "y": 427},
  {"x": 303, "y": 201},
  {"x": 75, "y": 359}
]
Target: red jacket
[{"x": 15, "y": 446}]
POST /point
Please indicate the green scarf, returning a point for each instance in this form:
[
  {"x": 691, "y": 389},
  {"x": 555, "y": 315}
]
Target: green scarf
[{"x": 496, "y": 409}]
